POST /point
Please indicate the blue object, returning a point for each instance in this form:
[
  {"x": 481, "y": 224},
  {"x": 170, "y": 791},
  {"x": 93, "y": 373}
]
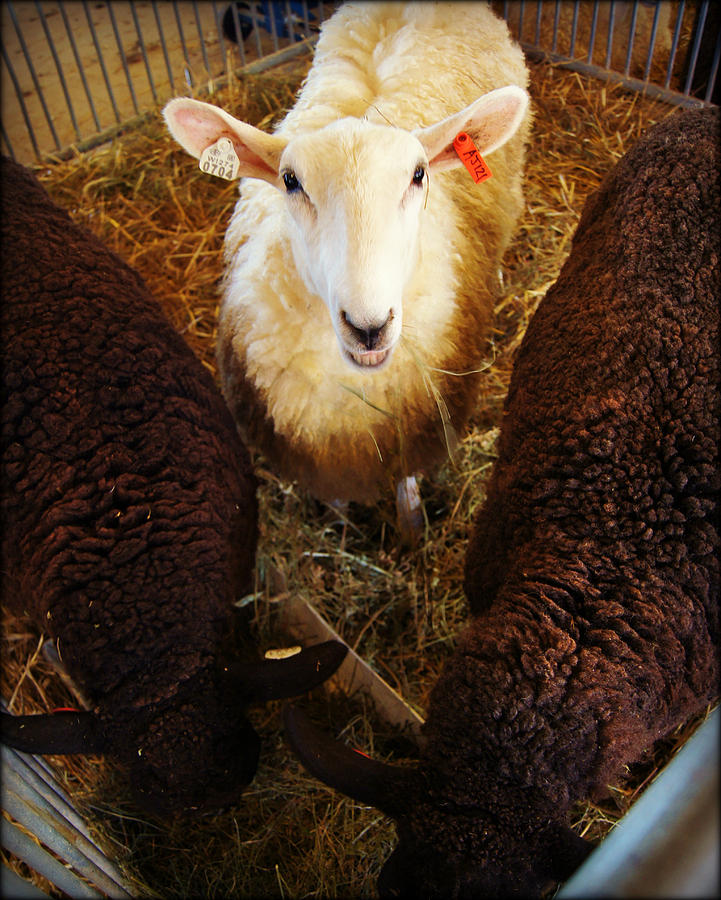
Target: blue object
[{"x": 288, "y": 18}]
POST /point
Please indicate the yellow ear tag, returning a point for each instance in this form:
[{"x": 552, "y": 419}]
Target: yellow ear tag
[{"x": 220, "y": 159}]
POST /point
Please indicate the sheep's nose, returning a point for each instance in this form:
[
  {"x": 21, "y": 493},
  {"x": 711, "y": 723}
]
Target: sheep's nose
[{"x": 370, "y": 336}]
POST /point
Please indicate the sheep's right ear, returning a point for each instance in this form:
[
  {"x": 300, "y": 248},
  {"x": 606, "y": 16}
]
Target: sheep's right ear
[
  {"x": 490, "y": 121},
  {"x": 57, "y": 733},
  {"x": 196, "y": 126},
  {"x": 392, "y": 789}
]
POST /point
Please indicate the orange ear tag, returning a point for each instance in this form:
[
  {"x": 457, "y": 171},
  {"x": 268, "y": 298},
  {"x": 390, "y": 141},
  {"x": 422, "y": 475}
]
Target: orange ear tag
[{"x": 471, "y": 158}]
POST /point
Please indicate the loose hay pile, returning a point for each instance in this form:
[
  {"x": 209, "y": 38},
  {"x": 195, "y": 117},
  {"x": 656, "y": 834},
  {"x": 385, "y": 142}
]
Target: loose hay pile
[{"x": 400, "y": 610}]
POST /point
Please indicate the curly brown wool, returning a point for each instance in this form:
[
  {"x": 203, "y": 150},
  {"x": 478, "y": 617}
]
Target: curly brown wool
[
  {"x": 128, "y": 503},
  {"x": 593, "y": 570}
]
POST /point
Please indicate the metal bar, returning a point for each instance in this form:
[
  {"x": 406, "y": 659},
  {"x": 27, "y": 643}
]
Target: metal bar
[
  {"x": 652, "y": 42},
  {"x": 123, "y": 60},
  {"x": 45, "y": 795},
  {"x": 46, "y": 785},
  {"x": 556, "y": 20},
  {"x": 592, "y": 35},
  {"x": 574, "y": 27},
  {"x": 240, "y": 44},
  {"x": 19, "y": 94},
  {"x": 713, "y": 74},
  {"x": 256, "y": 26},
  {"x": 271, "y": 24},
  {"x": 631, "y": 35},
  {"x": 161, "y": 36},
  {"x": 43, "y": 782},
  {"x": 32, "y": 811},
  {"x": 674, "y": 43},
  {"x": 78, "y": 63},
  {"x": 6, "y": 139},
  {"x": 101, "y": 61},
  {"x": 25, "y": 848},
  {"x": 521, "y": 10},
  {"x": 33, "y": 74},
  {"x": 696, "y": 45},
  {"x": 58, "y": 67},
  {"x": 306, "y": 19},
  {"x": 539, "y": 10},
  {"x": 141, "y": 44},
  {"x": 609, "y": 40},
  {"x": 217, "y": 17},
  {"x": 186, "y": 57},
  {"x": 12, "y": 885},
  {"x": 203, "y": 50}
]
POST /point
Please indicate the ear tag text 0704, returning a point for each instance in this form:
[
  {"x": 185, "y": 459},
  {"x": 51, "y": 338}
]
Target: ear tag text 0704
[
  {"x": 220, "y": 159},
  {"x": 471, "y": 158}
]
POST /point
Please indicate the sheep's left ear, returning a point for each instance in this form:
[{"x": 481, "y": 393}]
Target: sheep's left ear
[
  {"x": 393, "y": 789},
  {"x": 490, "y": 121},
  {"x": 275, "y": 679},
  {"x": 196, "y": 126},
  {"x": 57, "y": 733}
]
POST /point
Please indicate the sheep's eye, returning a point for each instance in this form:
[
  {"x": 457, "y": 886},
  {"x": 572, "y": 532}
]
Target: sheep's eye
[
  {"x": 291, "y": 182},
  {"x": 418, "y": 176}
]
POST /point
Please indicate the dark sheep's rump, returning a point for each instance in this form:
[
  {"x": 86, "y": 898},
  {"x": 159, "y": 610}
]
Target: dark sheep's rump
[
  {"x": 593, "y": 572},
  {"x": 128, "y": 501}
]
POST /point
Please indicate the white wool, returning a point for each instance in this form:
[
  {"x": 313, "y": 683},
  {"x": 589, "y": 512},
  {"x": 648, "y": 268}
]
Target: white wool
[{"x": 362, "y": 246}]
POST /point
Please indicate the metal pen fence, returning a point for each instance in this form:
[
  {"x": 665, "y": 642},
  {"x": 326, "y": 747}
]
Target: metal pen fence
[{"x": 75, "y": 73}]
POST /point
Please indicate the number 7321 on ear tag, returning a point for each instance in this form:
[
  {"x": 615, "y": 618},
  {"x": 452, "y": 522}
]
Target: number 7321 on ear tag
[{"x": 471, "y": 158}]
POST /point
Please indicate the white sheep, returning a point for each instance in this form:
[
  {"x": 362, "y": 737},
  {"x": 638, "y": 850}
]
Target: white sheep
[{"x": 362, "y": 258}]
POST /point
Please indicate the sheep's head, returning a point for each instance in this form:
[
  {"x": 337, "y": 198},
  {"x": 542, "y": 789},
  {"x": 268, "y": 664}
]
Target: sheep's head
[
  {"x": 191, "y": 752},
  {"x": 355, "y": 195},
  {"x": 449, "y": 843}
]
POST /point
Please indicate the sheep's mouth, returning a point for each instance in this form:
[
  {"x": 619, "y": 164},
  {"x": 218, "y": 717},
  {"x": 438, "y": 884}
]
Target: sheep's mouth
[{"x": 369, "y": 359}]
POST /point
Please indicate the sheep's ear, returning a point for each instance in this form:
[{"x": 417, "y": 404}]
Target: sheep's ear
[
  {"x": 276, "y": 679},
  {"x": 196, "y": 126},
  {"x": 60, "y": 732},
  {"x": 392, "y": 789},
  {"x": 490, "y": 121}
]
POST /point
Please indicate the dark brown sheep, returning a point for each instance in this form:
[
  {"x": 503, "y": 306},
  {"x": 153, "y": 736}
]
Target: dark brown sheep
[
  {"x": 593, "y": 571},
  {"x": 129, "y": 517}
]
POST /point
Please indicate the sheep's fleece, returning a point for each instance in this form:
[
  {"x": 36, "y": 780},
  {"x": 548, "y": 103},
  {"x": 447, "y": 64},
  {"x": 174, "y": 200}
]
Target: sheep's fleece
[
  {"x": 128, "y": 508},
  {"x": 593, "y": 570},
  {"x": 382, "y": 72}
]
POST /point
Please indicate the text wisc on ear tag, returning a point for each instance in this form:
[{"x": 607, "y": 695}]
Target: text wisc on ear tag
[
  {"x": 471, "y": 158},
  {"x": 220, "y": 159}
]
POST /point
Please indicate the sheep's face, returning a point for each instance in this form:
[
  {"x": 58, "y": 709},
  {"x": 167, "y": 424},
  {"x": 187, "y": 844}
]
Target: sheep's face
[
  {"x": 196, "y": 755},
  {"x": 355, "y": 193},
  {"x": 462, "y": 832},
  {"x": 469, "y": 853},
  {"x": 461, "y": 860}
]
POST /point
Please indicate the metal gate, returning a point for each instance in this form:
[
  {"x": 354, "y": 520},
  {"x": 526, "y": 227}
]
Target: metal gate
[{"x": 76, "y": 73}]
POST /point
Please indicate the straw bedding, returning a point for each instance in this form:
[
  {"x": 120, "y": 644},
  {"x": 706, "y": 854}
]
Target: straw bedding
[{"x": 399, "y": 609}]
